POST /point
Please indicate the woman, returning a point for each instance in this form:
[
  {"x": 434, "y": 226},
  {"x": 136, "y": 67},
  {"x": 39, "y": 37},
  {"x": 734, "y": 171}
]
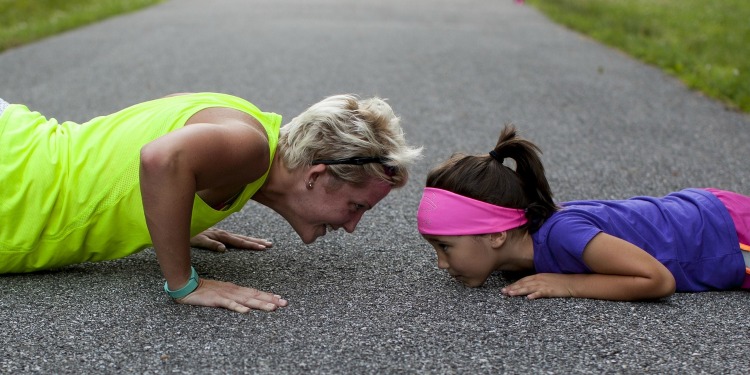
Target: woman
[{"x": 161, "y": 173}]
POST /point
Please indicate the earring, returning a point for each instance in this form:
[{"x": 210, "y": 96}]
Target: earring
[{"x": 309, "y": 185}]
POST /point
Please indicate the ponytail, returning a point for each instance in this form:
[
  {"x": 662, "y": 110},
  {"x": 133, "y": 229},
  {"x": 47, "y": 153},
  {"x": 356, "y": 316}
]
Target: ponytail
[{"x": 487, "y": 178}]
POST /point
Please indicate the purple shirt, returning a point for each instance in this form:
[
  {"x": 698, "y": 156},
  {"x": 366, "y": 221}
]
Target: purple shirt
[{"x": 689, "y": 231}]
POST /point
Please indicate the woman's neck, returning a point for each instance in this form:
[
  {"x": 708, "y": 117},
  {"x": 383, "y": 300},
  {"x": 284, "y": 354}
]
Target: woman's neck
[{"x": 277, "y": 188}]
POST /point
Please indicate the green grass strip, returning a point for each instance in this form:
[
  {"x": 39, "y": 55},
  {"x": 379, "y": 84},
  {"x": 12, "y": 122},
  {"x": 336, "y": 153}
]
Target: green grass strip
[
  {"x": 704, "y": 43},
  {"x": 24, "y": 21}
]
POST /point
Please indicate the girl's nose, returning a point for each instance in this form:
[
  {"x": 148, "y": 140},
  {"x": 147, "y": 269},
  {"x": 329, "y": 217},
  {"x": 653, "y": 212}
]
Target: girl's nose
[{"x": 441, "y": 261}]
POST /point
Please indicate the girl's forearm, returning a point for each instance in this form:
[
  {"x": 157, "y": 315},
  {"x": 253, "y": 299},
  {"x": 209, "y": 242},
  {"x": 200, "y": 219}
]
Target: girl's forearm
[
  {"x": 618, "y": 287},
  {"x": 621, "y": 271},
  {"x": 596, "y": 286}
]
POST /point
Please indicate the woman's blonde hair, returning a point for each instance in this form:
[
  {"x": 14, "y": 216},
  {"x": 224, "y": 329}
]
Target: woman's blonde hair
[{"x": 343, "y": 127}]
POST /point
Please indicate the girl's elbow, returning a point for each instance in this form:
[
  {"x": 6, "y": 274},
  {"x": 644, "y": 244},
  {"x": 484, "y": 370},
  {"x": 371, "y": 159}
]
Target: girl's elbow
[
  {"x": 655, "y": 285},
  {"x": 666, "y": 285}
]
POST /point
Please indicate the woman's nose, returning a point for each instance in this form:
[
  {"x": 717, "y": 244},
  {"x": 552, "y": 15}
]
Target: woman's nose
[{"x": 352, "y": 224}]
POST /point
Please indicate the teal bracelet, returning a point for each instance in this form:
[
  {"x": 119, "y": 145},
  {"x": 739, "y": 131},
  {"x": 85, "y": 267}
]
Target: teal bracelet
[{"x": 190, "y": 287}]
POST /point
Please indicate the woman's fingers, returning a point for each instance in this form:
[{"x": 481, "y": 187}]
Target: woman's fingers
[
  {"x": 244, "y": 242},
  {"x": 204, "y": 242},
  {"x": 232, "y": 297},
  {"x": 219, "y": 240}
]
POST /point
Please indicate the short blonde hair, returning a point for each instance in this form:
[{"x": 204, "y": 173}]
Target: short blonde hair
[{"x": 343, "y": 126}]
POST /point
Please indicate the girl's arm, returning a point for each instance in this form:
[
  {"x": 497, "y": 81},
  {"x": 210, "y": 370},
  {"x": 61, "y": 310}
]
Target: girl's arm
[{"x": 622, "y": 271}]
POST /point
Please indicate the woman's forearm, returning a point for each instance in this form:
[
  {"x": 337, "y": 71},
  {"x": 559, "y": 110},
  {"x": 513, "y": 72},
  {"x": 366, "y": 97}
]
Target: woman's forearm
[{"x": 168, "y": 190}]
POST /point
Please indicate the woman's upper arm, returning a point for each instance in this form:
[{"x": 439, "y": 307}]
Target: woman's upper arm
[
  {"x": 607, "y": 254},
  {"x": 216, "y": 154}
]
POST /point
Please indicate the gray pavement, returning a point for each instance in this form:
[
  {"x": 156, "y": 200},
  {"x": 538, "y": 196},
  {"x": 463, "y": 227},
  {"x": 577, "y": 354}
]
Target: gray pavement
[{"x": 374, "y": 302}]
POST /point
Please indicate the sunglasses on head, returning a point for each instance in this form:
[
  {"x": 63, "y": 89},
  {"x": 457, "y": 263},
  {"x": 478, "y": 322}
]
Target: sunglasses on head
[{"x": 360, "y": 160}]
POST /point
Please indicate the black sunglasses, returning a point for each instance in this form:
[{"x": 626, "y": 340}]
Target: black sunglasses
[{"x": 360, "y": 160}]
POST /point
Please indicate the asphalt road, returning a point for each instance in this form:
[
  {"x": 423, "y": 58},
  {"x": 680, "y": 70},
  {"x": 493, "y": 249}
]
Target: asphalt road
[{"x": 374, "y": 302}]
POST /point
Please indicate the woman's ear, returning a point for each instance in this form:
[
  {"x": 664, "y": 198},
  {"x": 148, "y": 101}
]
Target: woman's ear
[
  {"x": 497, "y": 240},
  {"x": 312, "y": 174}
]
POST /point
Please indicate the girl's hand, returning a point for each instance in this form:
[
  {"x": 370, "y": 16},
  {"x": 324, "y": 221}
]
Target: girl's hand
[
  {"x": 539, "y": 286},
  {"x": 217, "y": 240},
  {"x": 233, "y": 297}
]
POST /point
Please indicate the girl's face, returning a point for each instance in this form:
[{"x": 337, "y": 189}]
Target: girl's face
[{"x": 469, "y": 259}]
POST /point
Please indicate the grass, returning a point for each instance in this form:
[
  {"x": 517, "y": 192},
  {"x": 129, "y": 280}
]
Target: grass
[
  {"x": 24, "y": 21},
  {"x": 706, "y": 44}
]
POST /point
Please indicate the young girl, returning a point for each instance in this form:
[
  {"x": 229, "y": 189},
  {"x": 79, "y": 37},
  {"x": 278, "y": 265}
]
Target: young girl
[{"x": 482, "y": 216}]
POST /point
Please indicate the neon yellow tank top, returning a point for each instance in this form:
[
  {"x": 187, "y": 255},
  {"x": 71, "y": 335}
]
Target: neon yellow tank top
[{"x": 70, "y": 192}]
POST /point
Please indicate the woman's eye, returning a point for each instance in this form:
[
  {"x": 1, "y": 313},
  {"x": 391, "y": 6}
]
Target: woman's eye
[
  {"x": 358, "y": 207},
  {"x": 443, "y": 247}
]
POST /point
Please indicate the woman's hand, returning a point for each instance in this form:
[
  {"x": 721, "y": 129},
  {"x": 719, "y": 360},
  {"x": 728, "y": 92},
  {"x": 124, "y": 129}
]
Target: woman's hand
[
  {"x": 217, "y": 240},
  {"x": 233, "y": 297}
]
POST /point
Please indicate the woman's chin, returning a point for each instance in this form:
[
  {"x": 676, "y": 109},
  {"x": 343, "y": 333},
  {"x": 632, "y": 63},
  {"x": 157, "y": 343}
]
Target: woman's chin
[{"x": 311, "y": 236}]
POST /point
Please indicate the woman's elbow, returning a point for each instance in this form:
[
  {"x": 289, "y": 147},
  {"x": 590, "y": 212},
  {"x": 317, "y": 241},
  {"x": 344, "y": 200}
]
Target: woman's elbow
[{"x": 154, "y": 159}]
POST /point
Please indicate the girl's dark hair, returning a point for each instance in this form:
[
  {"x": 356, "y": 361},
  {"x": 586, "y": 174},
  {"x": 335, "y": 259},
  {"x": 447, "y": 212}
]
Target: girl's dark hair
[{"x": 486, "y": 178}]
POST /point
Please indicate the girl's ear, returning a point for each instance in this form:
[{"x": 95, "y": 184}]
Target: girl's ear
[{"x": 498, "y": 239}]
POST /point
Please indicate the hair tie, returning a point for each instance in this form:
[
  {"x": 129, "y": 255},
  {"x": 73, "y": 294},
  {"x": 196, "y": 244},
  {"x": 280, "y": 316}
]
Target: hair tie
[{"x": 496, "y": 156}]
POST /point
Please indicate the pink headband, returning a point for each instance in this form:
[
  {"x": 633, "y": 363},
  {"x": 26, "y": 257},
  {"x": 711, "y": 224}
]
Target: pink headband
[{"x": 443, "y": 213}]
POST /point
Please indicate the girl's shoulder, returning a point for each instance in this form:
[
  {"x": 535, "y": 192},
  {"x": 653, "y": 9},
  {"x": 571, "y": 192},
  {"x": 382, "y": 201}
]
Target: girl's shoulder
[{"x": 568, "y": 229}]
